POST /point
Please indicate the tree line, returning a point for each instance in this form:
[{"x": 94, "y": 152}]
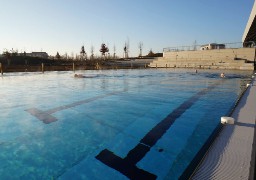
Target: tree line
[{"x": 10, "y": 55}]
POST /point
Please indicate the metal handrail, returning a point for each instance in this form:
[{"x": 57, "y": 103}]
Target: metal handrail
[{"x": 233, "y": 45}]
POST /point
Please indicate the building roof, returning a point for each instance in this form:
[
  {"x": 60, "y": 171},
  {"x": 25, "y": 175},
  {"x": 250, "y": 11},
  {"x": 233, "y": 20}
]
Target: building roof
[
  {"x": 250, "y": 29},
  {"x": 38, "y": 53}
]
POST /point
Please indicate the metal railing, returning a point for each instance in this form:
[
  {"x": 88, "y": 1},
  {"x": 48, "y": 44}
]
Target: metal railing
[{"x": 233, "y": 45}]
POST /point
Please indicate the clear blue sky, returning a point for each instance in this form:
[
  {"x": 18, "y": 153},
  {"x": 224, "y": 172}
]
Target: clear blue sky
[{"x": 66, "y": 25}]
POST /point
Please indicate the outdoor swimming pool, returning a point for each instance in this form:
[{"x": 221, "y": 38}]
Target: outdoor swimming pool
[{"x": 117, "y": 124}]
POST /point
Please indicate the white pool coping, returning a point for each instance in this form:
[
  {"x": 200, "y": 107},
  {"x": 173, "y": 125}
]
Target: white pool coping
[{"x": 232, "y": 155}]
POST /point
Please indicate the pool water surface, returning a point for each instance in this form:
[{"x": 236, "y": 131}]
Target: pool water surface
[{"x": 114, "y": 124}]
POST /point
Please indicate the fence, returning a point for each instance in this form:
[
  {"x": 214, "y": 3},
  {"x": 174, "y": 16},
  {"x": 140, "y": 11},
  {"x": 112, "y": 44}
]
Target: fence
[{"x": 198, "y": 47}]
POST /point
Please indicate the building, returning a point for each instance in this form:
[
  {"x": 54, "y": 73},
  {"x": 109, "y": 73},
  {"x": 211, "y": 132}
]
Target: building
[
  {"x": 38, "y": 54},
  {"x": 212, "y": 46}
]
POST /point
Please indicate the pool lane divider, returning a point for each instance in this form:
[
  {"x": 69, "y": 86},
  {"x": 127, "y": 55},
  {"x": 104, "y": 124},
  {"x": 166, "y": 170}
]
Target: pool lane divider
[
  {"x": 46, "y": 116},
  {"x": 127, "y": 166}
]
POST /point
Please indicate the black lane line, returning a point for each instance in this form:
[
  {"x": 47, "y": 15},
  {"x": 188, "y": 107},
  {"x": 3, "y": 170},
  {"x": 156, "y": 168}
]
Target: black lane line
[
  {"x": 129, "y": 170},
  {"x": 46, "y": 116},
  {"x": 127, "y": 166}
]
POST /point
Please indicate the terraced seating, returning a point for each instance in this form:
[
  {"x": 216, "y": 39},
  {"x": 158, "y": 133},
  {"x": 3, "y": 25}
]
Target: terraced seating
[{"x": 211, "y": 59}]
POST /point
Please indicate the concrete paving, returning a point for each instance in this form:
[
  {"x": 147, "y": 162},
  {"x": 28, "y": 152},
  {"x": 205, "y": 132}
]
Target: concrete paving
[{"x": 232, "y": 155}]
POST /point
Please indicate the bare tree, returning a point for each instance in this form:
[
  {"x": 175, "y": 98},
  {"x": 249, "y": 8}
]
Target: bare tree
[
  {"x": 150, "y": 53},
  {"x": 25, "y": 58},
  {"x": 114, "y": 54},
  {"x": 72, "y": 55},
  {"x": 126, "y": 50},
  {"x": 7, "y": 55},
  {"x": 65, "y": 56},
  {"x": 57, "y": 56},
  {"x": 92, "y": 52},
  {"x": 14, "y": 52},
  {"x": 77, "y": 57},
  {"x": 140, "y": 48}
]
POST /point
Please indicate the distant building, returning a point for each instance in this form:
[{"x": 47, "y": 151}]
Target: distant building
[
  {"x": 38, "y": 54},
  {"x": 212, "y": 46}
]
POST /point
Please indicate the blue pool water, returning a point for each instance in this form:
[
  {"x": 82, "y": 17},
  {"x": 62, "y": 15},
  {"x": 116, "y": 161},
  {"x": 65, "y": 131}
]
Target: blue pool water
[{"x": 55, "y": 126}]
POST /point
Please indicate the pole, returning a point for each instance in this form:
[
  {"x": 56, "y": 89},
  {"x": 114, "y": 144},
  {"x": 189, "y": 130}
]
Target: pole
[
  {"x": 1, "y": 68},
  {"x": 73, "y": 66},
  {"x": 42, "y": 67}
]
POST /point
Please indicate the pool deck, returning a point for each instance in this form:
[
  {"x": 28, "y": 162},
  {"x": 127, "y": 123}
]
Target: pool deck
[{"x": 232, "y": 154}]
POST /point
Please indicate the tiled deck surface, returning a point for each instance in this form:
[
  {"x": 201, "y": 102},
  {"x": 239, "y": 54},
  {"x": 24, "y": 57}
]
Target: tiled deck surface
[{"x": 231, "y": 153}]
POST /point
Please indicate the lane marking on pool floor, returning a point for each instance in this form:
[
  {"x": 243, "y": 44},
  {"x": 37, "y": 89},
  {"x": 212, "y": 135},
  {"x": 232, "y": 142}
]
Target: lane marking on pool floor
[
  {"x": 46, "y": 116},
  {"x": 127, "y": 166}
]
